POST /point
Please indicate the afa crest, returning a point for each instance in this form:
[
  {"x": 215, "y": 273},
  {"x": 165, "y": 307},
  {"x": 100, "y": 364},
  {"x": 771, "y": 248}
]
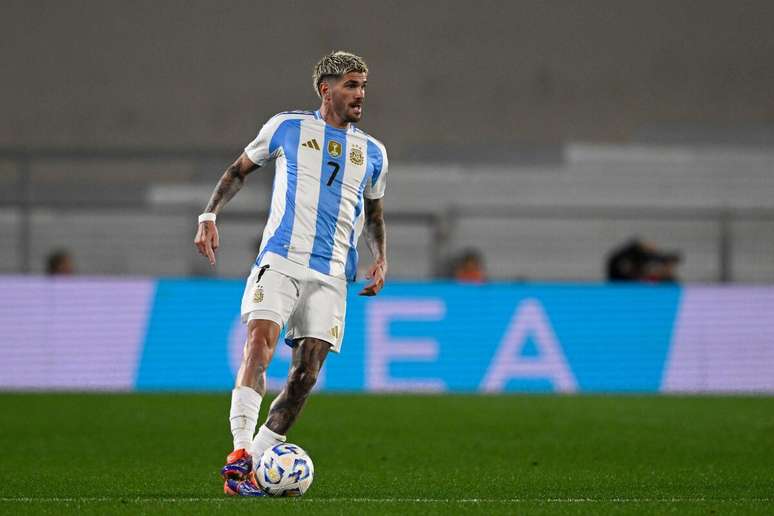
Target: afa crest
[
  {"x": 334, "y": 148},
  {"x": 356, "y": 156},
  {"x": 258, "y": 296}
]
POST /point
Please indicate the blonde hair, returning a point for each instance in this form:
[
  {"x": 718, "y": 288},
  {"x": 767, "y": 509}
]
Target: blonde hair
[{"x": 336, "y": 64}]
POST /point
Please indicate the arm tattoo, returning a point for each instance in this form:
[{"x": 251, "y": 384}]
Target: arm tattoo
[
  {"x": 230, "y": 183},
  {"x": 375, "y": 231}
]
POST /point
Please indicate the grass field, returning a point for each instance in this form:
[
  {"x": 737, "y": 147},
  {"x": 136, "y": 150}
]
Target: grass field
[{"x": 132, "y": 454}]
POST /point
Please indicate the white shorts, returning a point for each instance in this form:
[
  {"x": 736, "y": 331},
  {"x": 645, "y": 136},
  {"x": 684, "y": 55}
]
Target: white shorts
[{"x": 306, "y": 302}]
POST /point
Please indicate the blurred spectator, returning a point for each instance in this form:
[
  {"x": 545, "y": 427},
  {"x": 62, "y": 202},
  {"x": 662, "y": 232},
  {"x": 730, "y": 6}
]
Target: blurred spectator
[
  {"x": 637, "y": 260},
  {"x": 59, "y": 262},
  {"x": 469, "y": 267}
]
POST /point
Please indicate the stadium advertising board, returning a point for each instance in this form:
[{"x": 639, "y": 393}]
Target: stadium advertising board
[{"x": 123, "y": 335}]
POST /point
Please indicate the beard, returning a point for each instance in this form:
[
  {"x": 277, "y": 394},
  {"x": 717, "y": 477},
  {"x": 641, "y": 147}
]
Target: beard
[{"x": 349, "y": 112}]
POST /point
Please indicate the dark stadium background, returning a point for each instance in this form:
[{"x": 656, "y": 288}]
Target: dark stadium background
[{"x": 537, "y": 136}]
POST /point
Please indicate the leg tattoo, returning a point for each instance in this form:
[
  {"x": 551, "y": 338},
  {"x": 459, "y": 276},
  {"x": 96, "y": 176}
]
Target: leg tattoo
[{"x": 308, "y": 358}]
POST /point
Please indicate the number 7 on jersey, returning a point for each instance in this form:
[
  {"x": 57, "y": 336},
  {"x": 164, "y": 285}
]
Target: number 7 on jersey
[{"x": 335, "y": 168}]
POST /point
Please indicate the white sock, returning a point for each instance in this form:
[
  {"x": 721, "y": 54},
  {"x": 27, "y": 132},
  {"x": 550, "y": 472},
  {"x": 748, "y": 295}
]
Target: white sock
[
  {"x": 264, "y": 440},
  {"x": 245, "y": 406}
]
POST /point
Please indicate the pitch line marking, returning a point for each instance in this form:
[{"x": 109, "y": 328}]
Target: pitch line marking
[{"x": 392, "y": 500}]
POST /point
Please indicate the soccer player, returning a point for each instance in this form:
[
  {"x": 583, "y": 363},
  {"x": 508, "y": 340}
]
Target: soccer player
[{"x": 328, "y": 184}]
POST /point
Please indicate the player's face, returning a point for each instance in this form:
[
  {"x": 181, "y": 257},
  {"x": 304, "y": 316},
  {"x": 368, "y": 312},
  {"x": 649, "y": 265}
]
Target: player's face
[{"x": 347, "y": 96}]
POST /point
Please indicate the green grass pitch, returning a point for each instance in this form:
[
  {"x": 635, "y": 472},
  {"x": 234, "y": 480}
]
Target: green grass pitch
[{"x": 160, "y": 453}]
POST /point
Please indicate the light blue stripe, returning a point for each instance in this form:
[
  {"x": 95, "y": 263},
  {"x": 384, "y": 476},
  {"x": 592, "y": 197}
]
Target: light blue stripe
[
  {"x": 350, "y": 271},
  {"x": 375, "y": 157},
  {"x": 328, "y": 203},
  {"x": 286, "y": 136}
]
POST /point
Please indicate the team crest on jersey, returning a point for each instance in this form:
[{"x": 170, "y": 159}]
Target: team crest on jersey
[
  {"x": 258, "y": 296},
  {"x": 334, "y": 148},
  {"x": 356, "y": 156}
]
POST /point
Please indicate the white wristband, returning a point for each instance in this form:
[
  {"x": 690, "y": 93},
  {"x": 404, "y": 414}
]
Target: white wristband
[{"x": 206, "y": 217}]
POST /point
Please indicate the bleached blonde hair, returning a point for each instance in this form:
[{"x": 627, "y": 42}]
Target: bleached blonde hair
[{"x": 337, "y": 64}]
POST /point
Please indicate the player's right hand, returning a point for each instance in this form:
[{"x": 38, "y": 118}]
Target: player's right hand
[{"x": 207, "y": 240}]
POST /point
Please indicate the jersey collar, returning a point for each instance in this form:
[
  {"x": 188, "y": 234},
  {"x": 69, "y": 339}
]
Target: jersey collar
[{"x": 318, "y": 116}]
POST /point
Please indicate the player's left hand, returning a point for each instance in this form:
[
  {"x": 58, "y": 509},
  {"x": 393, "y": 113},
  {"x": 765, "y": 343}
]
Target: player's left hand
[{"x": 377, "y": 272}]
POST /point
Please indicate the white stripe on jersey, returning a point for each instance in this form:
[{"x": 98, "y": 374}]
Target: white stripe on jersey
[
  {"x": 277, "y": 209},
  {"x": 309, "y": 161}
]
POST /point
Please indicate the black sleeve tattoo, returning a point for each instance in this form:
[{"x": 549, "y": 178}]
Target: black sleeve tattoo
[
  {"x": 308, "y": 357},
  {"x": 376, "y": 237},
  {"x": 230, "y": 183}
]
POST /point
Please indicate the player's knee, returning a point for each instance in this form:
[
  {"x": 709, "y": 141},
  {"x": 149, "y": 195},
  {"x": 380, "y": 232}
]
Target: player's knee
[{"x": 258, "y": 345}]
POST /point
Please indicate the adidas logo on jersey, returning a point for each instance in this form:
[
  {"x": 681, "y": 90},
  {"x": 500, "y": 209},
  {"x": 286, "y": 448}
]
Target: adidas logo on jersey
[{"x": 312, "y": 144}]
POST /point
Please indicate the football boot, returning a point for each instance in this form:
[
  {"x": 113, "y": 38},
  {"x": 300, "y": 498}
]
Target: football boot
[
  {"x": 248, "y": 487},
  {"x": 238, "y": 466}
]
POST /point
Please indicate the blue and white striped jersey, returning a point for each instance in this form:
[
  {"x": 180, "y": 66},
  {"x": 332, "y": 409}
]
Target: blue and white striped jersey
[{"x": 322, "y": 174}]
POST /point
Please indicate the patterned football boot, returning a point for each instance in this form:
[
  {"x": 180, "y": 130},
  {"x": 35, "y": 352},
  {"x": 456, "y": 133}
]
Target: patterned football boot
[
  {"x": 238, "y": 466},
  {"x": 247, "y": 487}
]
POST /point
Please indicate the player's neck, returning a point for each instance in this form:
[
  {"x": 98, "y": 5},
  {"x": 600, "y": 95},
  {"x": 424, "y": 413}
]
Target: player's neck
[{"x": 330, "y": 118}]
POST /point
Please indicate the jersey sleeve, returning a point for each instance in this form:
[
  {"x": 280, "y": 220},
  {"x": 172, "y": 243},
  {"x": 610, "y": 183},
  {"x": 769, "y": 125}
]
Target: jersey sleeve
[
  {"x": 260, "y": 150},
  {"x": 375, "y": 187}
]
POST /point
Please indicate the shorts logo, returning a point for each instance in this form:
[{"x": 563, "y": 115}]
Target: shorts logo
[
  {"x": 356, "y": 156},
  {"x": 334, "y": 148},
  {"x": 334, "y": 332},
  {"x": 258, "y": 296}
]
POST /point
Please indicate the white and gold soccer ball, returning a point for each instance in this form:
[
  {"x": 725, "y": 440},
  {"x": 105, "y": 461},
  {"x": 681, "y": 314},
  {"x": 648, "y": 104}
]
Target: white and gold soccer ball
[{"x": 285, "y": 470}]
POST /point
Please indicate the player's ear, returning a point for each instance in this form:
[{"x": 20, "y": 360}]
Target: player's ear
[{"x": 325, "y": 88}]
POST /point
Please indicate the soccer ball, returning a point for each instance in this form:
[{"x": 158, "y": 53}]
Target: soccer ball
[{"x": 285, "y": 470}]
